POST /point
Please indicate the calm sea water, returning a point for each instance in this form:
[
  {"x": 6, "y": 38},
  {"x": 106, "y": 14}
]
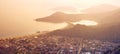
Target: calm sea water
[{"x": 27, "y": 28}]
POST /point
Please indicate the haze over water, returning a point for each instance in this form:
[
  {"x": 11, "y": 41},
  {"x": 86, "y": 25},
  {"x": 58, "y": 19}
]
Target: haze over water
[
  {"x": 28, "y": 28},
  {"x": 17, "y": 16}
]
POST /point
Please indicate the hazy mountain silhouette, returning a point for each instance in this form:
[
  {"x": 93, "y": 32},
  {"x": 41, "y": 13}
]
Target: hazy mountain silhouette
[
  {"x": 114, "y": 16},
  {"x": 100, "y": 9},
  {"x": 107, "y": 29},
  {"x": 111, "y": 17},
  {"x": 109, "y": 33},
  {"x": 108, "y": 18},
  {"x": 60, "y": 17}
]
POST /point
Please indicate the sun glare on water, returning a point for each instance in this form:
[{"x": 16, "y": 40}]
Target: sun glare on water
[{"x": 87, "y": 23}]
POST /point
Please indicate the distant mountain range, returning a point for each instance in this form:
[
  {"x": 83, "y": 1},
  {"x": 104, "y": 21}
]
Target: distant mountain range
[
  {"x": 111, "y": 17},
  {"x": 60, "y": 17},
  {"x": 100, "y": 9},
  {"x": 108, "y": 23}
]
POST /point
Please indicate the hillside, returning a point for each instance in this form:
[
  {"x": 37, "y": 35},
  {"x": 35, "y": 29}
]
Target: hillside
[{"x": 110, "y": 33}]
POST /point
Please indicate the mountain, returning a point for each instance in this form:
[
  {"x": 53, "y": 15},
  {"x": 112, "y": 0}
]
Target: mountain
[
  {"x": 107, "y": 18},
  {"x": 114, "y": 16},
  {"x": 59, "y": 17},
  {"x": 100, "y": 9},
  {"x": 109, "y": 33}
]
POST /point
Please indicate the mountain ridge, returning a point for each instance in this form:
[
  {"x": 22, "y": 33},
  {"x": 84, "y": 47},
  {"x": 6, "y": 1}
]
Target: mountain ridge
[{"x": 110, "y": 33}]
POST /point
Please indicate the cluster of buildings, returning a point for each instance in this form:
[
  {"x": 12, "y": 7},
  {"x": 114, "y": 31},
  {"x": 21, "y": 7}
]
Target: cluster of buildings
[{"x": 42, "y": 44}]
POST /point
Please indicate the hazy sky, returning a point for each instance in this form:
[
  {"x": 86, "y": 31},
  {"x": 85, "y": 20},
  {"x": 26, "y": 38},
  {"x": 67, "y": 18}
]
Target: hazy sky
[
  {"x": 22, "y": 12},
  {"x": 38, "y": 8}
]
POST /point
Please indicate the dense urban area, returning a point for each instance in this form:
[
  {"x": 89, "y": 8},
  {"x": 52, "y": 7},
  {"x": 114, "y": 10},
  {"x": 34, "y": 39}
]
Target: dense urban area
[{"x": 43, "y": 44}]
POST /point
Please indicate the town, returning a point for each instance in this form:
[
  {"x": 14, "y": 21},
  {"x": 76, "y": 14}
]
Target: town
[{"x": 42, "y": 44}]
